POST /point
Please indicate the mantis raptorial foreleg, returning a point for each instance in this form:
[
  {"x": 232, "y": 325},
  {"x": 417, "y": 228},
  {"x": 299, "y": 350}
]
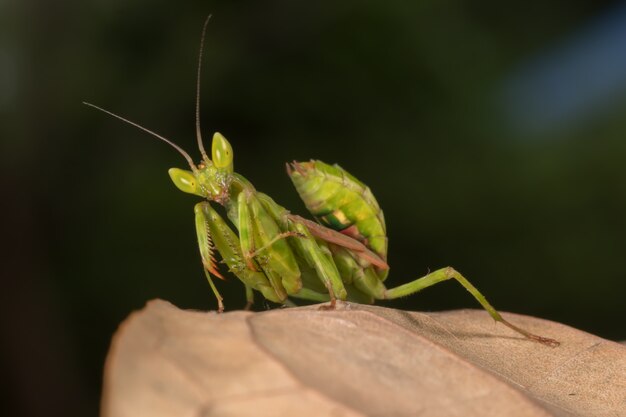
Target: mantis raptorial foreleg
[
  {"x": 245, "y": 231},
  {"x": 218, "y": 296},
  {"x": 277, "y": 260},
  {"x": 205, "y": 244},
  {"x": 213, "y": 231}
]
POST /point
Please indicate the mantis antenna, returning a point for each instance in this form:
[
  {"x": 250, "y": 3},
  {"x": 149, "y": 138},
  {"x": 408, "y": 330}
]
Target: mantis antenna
[
  {"x": 198, "y": 132},
  {"x": 156, "y": 135}
]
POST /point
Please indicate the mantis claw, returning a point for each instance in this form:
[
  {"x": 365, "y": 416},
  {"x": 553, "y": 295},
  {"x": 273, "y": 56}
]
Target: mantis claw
[
  {"x": 209, "y": 262},
  {"x": 210, "y": 267}
]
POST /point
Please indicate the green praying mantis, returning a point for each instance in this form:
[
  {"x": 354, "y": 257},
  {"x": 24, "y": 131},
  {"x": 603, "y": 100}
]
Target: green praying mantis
[{"x": 281, "y": 255}]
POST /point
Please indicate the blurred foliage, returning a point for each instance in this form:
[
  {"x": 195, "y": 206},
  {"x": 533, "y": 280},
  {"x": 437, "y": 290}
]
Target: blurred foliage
[{"x": 402, "y": 94}]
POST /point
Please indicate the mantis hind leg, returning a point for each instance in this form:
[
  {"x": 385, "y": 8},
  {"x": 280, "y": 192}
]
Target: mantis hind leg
[{"x": 445, "y": 274}]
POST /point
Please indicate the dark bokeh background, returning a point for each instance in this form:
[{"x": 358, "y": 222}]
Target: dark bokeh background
[{"x": 493, "y": 135}]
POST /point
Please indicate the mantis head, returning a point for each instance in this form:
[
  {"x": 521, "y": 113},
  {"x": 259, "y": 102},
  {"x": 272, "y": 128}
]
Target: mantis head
[{"x": 210, "y": 178}]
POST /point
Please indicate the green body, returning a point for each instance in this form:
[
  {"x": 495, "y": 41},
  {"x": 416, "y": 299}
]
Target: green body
[{"x": 281, "y": 255}]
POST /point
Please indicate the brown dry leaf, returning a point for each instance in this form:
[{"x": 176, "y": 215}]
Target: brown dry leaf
[{"x": 356, "y": 361}]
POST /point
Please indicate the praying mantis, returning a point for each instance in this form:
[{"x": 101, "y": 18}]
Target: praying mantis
[{"x": 341, "y": 256}]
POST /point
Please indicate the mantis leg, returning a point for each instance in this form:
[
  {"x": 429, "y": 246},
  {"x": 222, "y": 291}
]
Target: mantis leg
[
  {"x": 249, "y": 297},
  {"x": 245, "y": 231},
  {"x": 258, "y": 229},
  {"x": 214, "y": 233},
  {"x": 307, "y": 294},
  {"x": 218, "y": 296},
  {"x": 316, "y": 254},
  {"x": 322, "y": 262},
  {"x": 282, "y": 235},
  {"x": 289, "y": 303},
  {"x": 449, "y": 273},
  {"x": 205, "y": 244}
]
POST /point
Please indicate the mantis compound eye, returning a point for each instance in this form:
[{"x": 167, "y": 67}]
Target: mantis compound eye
[
  {"x": 222, "y": 152},
  {"x": 185, "y": 181}
]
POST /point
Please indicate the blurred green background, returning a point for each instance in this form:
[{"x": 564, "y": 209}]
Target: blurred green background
[{"x": 493, "y": 135}]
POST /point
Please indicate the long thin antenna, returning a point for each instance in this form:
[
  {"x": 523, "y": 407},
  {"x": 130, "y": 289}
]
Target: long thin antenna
[
  {"x": 198, "y": 132},
  {"x": 175, "y": 146}
]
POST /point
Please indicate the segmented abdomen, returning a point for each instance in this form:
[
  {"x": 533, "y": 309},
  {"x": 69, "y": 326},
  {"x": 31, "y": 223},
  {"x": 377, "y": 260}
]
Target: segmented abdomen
[{"x": 340, "y": 201}]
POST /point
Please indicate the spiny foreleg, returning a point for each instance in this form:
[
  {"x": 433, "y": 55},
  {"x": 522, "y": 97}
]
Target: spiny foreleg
[{"x": 214, "y": 234}]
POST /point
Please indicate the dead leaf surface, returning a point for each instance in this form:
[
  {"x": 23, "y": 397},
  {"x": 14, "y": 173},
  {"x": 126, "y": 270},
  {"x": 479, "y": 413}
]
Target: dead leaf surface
[{"x": 356, "y": 361}]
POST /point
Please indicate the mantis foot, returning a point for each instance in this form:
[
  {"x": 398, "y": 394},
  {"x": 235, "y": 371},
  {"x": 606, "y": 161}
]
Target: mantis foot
[{"x": 331, "y": 306}]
